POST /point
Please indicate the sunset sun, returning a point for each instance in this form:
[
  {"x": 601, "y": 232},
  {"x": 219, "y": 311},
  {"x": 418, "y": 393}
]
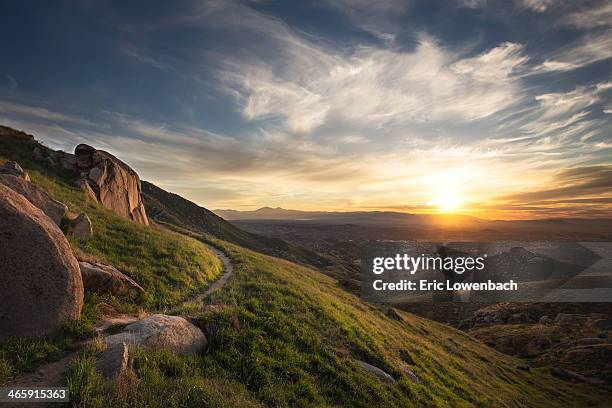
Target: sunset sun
[{"x": 448, "y": 201}]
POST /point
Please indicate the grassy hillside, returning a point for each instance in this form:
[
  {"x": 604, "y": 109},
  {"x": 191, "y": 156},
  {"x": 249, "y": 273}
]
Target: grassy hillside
[
  {"x": 280, "y": 334},
  {"x": 169, "y": 266},
  {"x": 175, "y": 210},
  {"x": 286, "y": 335}
]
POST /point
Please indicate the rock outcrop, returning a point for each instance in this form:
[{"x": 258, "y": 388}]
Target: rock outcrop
[
  {"x": 113, "y": 182},
  {"x": 40, "y": 284},
  {"x": 14, "y": 169},
  {"x": 106, "y": 278},
  {"x": 160, "y": 331},
  {"x": 39, "y": 198},
  {"x": 82, "y": 227}
]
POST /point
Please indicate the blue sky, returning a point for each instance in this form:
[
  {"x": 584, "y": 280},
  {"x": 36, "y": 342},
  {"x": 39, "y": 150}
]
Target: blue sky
[{"x": 500, "y": 108}]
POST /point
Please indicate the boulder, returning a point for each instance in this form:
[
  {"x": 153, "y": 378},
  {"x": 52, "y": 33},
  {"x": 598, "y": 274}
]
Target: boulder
[
  {"x": 113, "y": 182},
  {"x": 40, "y": 284},
  {"x": 113, "y": 361},
  {"x": 82, "y": 227},
  {"x": 99, "y": 277},
  {"x": 53, "y": 208},
  {"x": 14, "y": 169},
  {"x": 382, "y": 376},
  {"x": 159, "y": 331}
]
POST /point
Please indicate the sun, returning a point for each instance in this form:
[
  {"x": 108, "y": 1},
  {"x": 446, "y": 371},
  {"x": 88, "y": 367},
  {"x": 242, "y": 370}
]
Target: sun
[{"x": 448, "y": 201}]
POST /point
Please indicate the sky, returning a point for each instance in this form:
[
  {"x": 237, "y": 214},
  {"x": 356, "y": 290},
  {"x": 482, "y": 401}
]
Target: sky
[{"x": 499, "y": 109}]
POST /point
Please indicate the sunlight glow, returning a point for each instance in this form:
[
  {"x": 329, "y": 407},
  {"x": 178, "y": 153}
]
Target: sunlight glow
[{"x": 448, "y": 201}]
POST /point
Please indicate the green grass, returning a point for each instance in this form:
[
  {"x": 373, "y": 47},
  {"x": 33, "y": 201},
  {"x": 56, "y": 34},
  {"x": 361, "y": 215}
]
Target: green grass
[
  {"x": 287, "y": 336},
  {"x": 170, "y": 267}
]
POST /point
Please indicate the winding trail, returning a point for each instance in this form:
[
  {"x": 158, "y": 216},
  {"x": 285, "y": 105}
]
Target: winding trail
[
  {"x": 219, "y": 283},
  {"x": 52, "y": 374}
]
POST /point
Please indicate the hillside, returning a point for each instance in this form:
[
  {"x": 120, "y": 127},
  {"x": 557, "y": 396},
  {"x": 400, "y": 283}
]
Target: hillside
[
  {"x": 279, "y": 334},
  {"x": 285, "y": 335},
  {"x": 173, "y": 209}
]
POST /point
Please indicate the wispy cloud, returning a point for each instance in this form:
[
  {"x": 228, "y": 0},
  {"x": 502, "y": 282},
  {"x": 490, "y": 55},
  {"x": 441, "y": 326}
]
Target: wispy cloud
[
  {"x": 583, "y": 52},
  {"x": 312, "y": 85}
]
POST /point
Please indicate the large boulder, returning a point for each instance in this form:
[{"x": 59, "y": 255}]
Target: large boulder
[
  {"x": 53, "y": 208},
  {"x": 40, "y": 284},
  {"x": 106, "y": 278},
  {"x": 159, "y": 331},
  {"x": 14, "y": 169},
  {"x": 113, "y": 182}
]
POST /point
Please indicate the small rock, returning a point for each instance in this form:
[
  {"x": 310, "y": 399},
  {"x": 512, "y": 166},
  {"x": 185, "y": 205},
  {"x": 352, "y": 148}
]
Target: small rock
[
  {"x": 524, "y": 368},
  {"x": 393, "y": 314},
  {"x": 82, "y": 227},
  {"x": 411, "y": 376},
  {"x": 383, "y": 376},
  {"x": 14, "y": 169},
  {"x": 113, "y": 361},
  {"x": 406, "y": 357},
  {"x": 99, "y": 277},
  {"x": 160, "y": 331},
  {"x": 545, "y": 320}
]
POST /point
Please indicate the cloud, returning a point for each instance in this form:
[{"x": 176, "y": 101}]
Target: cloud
[
  {"x": 309, "y": 85},
  {"x": 566, "y": 110},
  {"x": 537, "y": 5},
  {"x": 599, "y": 15},
  {"x": 587, "y": 182},
  {"x": 379, "y": 18},
  {"x": 40, "y": 113},
  {"x": 580, "y": 53}
]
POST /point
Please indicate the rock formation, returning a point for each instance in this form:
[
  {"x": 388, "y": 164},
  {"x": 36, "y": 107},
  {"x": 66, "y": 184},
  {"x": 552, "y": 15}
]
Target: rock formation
[
  {"x": 40, "y": 283},
  {"x": 53, "y": 208},
  {"x": 14, "y": 169},
  {"x": 82, "y": 227},
  {"x": 106, "y": 278},
  {"x": 160, "y": 331},
  {"x": 114, "y": 183}
]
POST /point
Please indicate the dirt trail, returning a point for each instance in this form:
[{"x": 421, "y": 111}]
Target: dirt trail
[{"x": 219, "y": 283}]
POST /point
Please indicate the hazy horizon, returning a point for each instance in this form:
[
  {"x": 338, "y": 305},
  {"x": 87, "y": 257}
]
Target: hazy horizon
[{"x": 495, "y": 109}]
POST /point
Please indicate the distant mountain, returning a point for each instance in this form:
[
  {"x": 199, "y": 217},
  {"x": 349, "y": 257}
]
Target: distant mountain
[
  {"x": 393, "y": 219},
  {"x": 378, "y": 218},
  {"x": 163, "y": 206}
]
